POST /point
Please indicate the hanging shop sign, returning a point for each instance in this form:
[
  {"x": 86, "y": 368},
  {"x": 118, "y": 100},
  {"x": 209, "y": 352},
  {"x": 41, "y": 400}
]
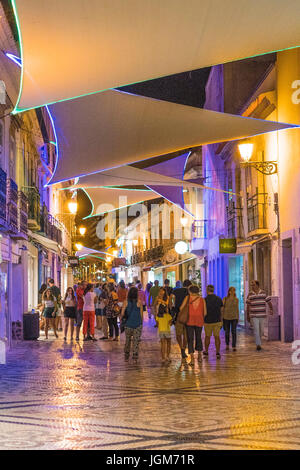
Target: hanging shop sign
[
  {"x": 227, "y": 245},
  {"x": 73, "y": 261}
]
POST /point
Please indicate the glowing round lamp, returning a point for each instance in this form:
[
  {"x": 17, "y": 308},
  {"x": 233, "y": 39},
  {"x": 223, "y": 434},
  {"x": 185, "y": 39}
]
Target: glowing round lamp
[
  {"x": 72, "y": 205},
  {"x": 184, "y": 221},
  {"x": 82, "y": 230},
  {"x": 78, "y": 246},
  {"x": 246, "y": 151},
  {"x": 181, "y": 247}
]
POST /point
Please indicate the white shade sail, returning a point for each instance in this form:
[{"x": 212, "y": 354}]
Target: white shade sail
[
  {"x": 75, "y": 47},
  {"x": 129, "y": 175},
  {"x": 106, "y": 200},
  {"x": 113, "y": 128},
  {"x": 84, "y": 251}
]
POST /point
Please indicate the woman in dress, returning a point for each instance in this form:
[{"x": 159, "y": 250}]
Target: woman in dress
[
  {"x": 134, "y": 323},
  {"x": 112, "y": 311},
  {"x": 230, "y": 317},
  {"x": 195, "y": 323},
  {"x": 49, "y": 311},
  {"x": 69, "y": 306}
]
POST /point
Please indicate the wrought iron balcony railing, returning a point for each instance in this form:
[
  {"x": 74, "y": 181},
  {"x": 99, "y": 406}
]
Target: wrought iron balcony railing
[
  {"x": 22, "y": 212},
  {"x": 34, "y": 199},
  {"x": 257, "y": 211},
  {"x": 235, "y": 227},
  {"x": 3, "y": 191},
  {"x": 50, "y": 226},
  {"x": 12, "y": 205},
  {"x": 200, "y": 229}
]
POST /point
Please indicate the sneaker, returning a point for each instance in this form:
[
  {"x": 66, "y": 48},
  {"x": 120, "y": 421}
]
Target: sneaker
[
  {"x": 234, "y": 349},
  {"x": 218, "y": 355},
  {"x": 77, "y": 338},
  {"x": 89, "y": 338},
  {"x": 94, "y": 339},
  {"x": 258, "y": 348},
  {"x": 65, "y": 339},
  {"x": 103, "y": 337}
]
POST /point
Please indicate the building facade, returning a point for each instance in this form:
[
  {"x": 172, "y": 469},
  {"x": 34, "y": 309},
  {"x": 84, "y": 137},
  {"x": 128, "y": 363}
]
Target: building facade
[
  {"x": 34, "y": 244},
  {"x": 262, "y": 213}
]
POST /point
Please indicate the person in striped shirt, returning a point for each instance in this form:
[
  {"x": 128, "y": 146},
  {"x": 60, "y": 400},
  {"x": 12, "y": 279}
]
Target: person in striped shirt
[{"x": 257, "y": 302}]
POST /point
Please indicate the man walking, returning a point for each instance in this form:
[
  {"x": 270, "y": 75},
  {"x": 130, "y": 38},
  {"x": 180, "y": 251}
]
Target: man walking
[
  {"x": 178, "y": 296},
  {"x": 154, "y": 291},
  {"x": 57, "y": 294},
  {"x": 257, "y": 302},
  {"x": 213, "y": 320}
]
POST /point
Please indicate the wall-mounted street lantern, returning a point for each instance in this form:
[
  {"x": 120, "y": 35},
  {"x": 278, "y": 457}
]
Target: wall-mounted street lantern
[{"x": 267, "y": 168}]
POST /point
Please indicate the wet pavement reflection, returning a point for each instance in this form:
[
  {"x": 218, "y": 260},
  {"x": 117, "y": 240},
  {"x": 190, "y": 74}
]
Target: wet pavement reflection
[{"x": 68, "y": 395}]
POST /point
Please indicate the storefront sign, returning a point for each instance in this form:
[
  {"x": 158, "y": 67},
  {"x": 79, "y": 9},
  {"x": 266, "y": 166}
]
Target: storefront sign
[
  {"x": 73, "y": 261},
  {"x": 227, "y": 245}
]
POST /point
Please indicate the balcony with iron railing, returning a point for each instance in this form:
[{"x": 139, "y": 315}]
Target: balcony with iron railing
[
  {"x": 22, "y": 213},
  {"x": 12, "y": 205},
  {"x": 50, "y": 227},
  {"x": 3, "y": 194},
  {"x": 34, "y": 198},
  {"x": 200, "y": 236},
  {"x": 257, "y": 214},
  {"x": 234, "y": 217}
]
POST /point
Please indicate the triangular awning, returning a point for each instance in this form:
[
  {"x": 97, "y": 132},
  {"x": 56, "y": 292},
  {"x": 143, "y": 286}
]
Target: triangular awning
[
  {"x": 107, "y": 200},
  {"x": 112, "y": 128},
  {"x": 164, "y": 175},
  {"x": 74, "y": 47}
]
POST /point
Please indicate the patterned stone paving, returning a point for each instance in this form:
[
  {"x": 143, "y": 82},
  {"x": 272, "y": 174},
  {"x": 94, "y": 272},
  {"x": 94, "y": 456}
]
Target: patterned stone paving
[{"x": 56, "y": 395}]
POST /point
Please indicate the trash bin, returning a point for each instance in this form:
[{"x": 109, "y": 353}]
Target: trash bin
[{"x": 31, "y": 326}]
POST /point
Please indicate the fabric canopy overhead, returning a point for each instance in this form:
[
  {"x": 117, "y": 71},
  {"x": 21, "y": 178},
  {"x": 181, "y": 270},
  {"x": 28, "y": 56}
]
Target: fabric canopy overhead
[
  {"x": 84, "y": 251},
  {"x": 74, "y": 47},
  {"x": 128, "y": 175},
  {"x": 107, "y": 200},
  {"x": 113, "y": 128}
]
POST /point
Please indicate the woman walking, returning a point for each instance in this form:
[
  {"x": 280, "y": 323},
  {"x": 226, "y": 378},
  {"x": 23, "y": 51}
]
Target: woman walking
[
  {"x": 49, "y": 312},
  {"x": 69, "y": 306},
  {"x": 164, "y": 322},
  {"x": 230, "y": 317},
  {"x": 196, "y": 313},
  {"x": 112, "y": 311},
  {"x": 122, "y": 293},
  {"x": 133, "y": 312},
  {"x": 142, "y": 296},
  {"x": 89, "y": 301}
]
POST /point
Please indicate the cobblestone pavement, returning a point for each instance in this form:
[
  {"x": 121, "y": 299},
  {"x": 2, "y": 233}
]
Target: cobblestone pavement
[{"x": 56, "y": 395}]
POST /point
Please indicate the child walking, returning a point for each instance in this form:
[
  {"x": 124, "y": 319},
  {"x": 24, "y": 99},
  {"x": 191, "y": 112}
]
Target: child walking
[{"x": 164, "y": 322}]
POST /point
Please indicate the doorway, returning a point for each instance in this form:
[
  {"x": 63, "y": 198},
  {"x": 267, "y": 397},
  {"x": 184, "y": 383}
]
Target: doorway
[
  {"x": 288, "y": 304},
  {"x": 236, "y": 279}
]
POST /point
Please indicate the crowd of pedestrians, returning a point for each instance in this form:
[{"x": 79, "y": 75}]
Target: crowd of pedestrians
[{"x": 114, "y": 309}]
